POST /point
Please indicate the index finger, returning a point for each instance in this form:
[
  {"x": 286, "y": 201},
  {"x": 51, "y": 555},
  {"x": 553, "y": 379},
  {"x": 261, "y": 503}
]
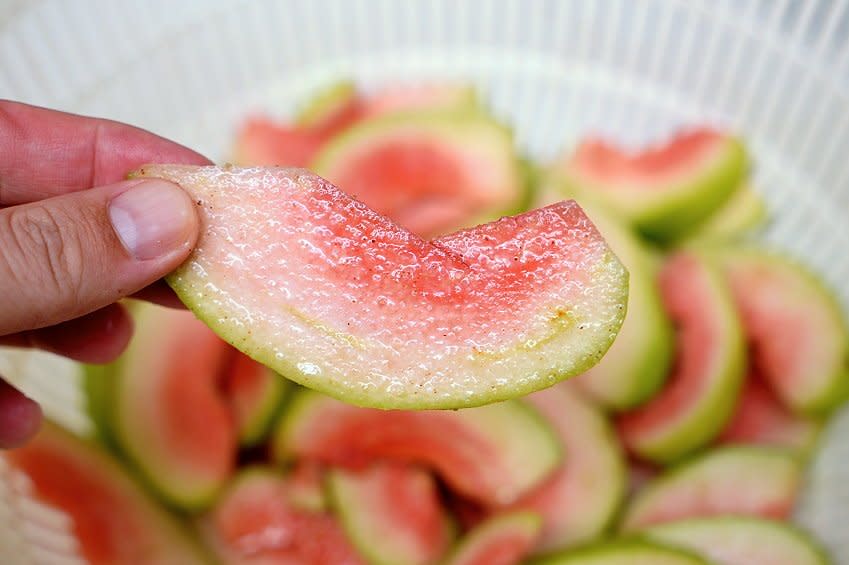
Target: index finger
[{"x": 46, "y": 153}]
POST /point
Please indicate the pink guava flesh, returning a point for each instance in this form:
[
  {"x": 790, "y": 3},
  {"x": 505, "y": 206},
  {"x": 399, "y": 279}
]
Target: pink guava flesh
[
  {"x": 323, "y": 290},
  {"x": 654, "y": 168}
]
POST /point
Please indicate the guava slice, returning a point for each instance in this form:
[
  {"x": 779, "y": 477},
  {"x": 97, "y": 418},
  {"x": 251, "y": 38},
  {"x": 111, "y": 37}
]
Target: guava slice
[
  {"x": 263, "y": 141},
  {"x": 392, "y": 513},
  {"x": 699, "y": 396},
  {"x": 169, "y": 416},
  {"x": 326, "y": 292},
  {"x": 744, "y": 211},
  {"x": 504, "y": 539},
  {"x": 761, "y": 419},
  {"x": 305, "y": 486},
  {"x": 254, "y": 394},
  {"x": 578, "y": 502},
  {"x": 253, "y": 523},
  {"x": 432, "y": 172},
  {"x": 332, "y": 108},
  {"x": 637, "y": 363},
  {"x": 624, "y": 552},
  {"x": 404, "y": 97},
  {"x": 109, "y": 516},
  {"x": 492, "y": 454},
  {"x": 328, "y": 108},
  {"x": 798, "y": 337},
  {"x": 738, "y": 540},
  {"x": 97, "y": 386},
  {"x": 667, "y": 190},
  {"x": 746, "y": 480}
]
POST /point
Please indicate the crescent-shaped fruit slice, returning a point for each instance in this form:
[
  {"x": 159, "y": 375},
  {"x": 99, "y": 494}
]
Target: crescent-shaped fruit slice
[
  {"x": 741, "y": 480},
  {"x": 491, "y": 454},
  {"x": 666, "y": 191},
  {"x": 740, "y": 540},
  {"x": 318, "y": 287}
]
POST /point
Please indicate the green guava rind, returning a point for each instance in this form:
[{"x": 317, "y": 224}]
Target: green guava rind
[
  {"x": 705, "y": 420},
  {"x": 259, "y": 424},
  {"x": 580, "y": 500},
  {"x": 325, "y": 102},
  {"x": 740, "y": 540},
  {"x": 588, "y": 346},
  {"x": 744, "y": 480},
  {"x": 743, "y": 212},
  {"x": 831, "y": 389},
  {"x": 520, "y": 528},
  {"x": 636, "y": 365},
  {"x": 686, "y": 204},
  {"x": 130, "y": 428},
  {"x": 375, "y": 529},
  {"x": 97, "y": 385},
  {"x": 624, "y": 552}
]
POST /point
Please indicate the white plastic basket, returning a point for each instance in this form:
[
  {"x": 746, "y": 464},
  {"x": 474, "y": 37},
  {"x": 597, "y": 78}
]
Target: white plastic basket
[{"x": 776, "y": 71}]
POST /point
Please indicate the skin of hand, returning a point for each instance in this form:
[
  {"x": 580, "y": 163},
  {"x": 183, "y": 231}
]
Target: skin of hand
[{"x": 76, "y": 237}]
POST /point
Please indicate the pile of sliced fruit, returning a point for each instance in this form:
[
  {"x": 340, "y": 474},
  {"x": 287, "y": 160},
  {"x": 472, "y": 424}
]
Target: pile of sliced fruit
[{"x": 686, "y": 444}]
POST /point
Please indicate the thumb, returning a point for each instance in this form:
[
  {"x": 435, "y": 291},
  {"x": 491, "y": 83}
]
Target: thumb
[{"x": 67, "y": 256}]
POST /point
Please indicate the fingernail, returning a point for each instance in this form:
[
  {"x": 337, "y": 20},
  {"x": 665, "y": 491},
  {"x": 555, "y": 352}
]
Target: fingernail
[{"x": 152, "y": 219}]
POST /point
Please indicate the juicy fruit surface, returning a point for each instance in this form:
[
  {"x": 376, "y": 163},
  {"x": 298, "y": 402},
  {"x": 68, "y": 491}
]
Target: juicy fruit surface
[
  {"x": 323, "y": 290},
  {"x": 502, "y": 540},
  {"x": 170, "y": 418},
  {"x": 578, "y": 501},
  {"x": 392, "y": 514},
  {"x": 668, "y": 190},
  {"x": 741, "y": 541},
  {"x": 800, "y": 342},
  {"x": 109, "y": 516},
  {"x": 756, "y": 481},
  {"x": 254, "y": 524},
  {"x": 431, "y": 172},
  {"x": 698, "y": 397},
  {"x": 625, "y": 553},
  {"x": 492, "y": 454}
]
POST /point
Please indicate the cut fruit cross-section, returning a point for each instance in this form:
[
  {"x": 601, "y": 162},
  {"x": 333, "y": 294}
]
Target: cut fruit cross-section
[{"x": 324, "y": 291}]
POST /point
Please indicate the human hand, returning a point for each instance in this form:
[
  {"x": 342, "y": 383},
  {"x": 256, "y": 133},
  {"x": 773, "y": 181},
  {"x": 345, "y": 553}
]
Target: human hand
[{"x": 75, "y": 237}]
